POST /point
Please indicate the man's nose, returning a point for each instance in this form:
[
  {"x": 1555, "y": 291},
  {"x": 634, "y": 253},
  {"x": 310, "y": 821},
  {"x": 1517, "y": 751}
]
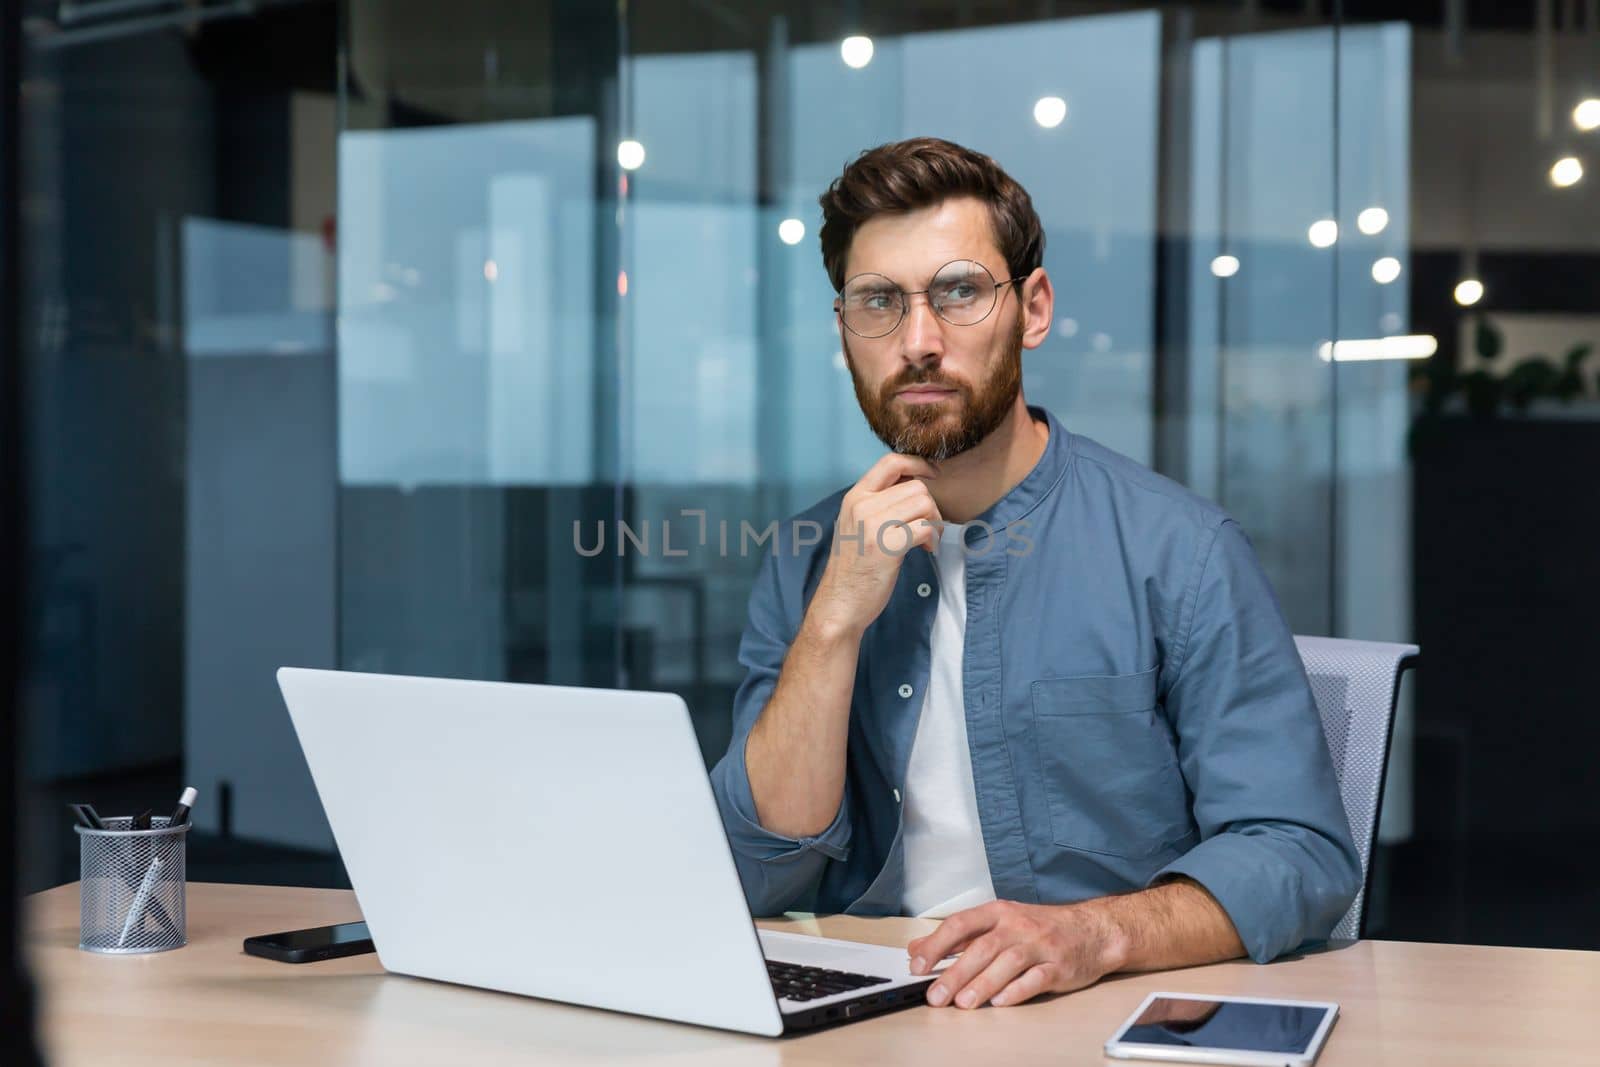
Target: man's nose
[{"x": 922, "y": 334}]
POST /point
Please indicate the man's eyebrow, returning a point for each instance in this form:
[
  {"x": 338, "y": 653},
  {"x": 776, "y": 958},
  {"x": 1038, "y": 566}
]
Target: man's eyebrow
[{"x": 965, "y": 261}]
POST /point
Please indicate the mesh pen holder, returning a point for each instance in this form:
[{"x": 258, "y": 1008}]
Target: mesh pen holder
[{"x": 131, "y": 883}]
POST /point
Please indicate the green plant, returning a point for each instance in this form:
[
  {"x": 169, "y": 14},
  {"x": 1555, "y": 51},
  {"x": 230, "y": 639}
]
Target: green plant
[{"x": 1485, "y": 391}]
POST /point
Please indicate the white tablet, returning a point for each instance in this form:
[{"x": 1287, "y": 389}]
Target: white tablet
[{"x": 1243, "y": 1031}]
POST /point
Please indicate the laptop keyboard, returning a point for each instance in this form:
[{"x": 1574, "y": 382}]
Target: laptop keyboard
[{"x": 791, "y": 981}]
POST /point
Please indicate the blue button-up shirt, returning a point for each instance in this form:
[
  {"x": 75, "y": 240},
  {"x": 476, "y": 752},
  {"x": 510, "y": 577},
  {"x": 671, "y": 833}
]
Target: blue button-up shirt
[{"x": 1135, "y": 710}]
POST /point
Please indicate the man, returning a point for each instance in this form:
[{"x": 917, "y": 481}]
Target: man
[{"x": 1027, "y": 685}]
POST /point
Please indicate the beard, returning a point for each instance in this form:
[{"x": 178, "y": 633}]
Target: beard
[{"x": 944, "y": 428}]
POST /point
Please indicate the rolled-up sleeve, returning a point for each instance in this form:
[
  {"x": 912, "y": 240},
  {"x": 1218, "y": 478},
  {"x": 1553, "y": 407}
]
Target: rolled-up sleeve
[
  {"x": 776, "y": 870},
  {"x": 1275, "y": 848}
]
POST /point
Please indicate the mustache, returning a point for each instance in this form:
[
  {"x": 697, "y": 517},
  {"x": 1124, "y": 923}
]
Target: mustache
[{"x": 921, "y": 376}]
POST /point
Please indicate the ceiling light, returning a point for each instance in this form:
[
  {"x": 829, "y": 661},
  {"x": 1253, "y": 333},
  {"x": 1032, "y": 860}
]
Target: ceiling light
[
  {"x": 1372, "y": 220},
  {"x": 1469, "y": 291},
  {"x": 1413, "y": 346},
  {"x": 1049, "y": 111},
  {"x": 1566, "y": 171},
  {"x": 630, "y": 155},
  {"x": 1586, "y": 116},
  {"x": 1323, "y": 232},
  {"x": 856, "y": 51}
]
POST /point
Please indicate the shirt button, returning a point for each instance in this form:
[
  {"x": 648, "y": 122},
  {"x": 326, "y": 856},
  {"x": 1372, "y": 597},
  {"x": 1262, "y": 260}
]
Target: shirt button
[
  {"x": 924, "y": 589},
  {"x": 897, "y": 796},
  {"x": 905, "y": 689}
]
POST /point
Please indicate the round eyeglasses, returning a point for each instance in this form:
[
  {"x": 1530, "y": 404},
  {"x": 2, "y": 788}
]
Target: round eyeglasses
[{"x": 962, "y": 293}]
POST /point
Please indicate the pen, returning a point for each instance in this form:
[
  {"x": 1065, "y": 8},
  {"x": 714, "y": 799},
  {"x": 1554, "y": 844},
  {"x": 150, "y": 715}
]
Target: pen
[
  {"x": 139, "y": 899},
  {"x": 141, "y": 821},
  {"x": 87, "y": 816},
  {"x": 180, "y": 814}
]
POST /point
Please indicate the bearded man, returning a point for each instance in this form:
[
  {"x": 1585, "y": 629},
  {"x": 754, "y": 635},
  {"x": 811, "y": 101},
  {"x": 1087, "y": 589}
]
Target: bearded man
[{"x": 1027, "y": 686}]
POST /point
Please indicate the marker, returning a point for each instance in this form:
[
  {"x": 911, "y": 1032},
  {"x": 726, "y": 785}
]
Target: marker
[{"x": 180, "y": 814}]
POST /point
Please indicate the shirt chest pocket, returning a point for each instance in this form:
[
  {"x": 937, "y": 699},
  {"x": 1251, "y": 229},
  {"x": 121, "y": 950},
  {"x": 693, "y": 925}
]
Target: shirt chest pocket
[{"x": 1111, "y": 775}]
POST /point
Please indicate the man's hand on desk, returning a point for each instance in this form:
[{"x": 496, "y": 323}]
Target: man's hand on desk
[{"x": 1012, "y": 952}]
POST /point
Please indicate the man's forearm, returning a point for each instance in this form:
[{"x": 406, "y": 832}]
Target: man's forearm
[
  {"x": 795, "y": 754},
  {"x": 1175, "y": 924}
]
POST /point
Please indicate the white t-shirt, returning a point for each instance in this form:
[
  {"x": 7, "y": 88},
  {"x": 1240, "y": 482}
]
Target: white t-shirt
[{"x": 946, "y": 868}]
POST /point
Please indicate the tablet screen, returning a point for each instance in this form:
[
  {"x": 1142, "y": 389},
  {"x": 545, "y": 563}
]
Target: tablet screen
[{"x": 1226, "y": 1024}]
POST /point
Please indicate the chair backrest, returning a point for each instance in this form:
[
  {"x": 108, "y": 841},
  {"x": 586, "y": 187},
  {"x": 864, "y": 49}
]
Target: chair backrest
[{"x": 1355, "y": 684}]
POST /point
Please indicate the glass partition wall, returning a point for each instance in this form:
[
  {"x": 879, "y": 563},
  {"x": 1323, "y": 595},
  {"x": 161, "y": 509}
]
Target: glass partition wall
[
  {"x": 586, "y": 348},
  {"x": 490, "y": 339},
  {"x": 586, "y": 353}
]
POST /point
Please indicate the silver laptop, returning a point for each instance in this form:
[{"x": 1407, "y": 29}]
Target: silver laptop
[{"x": 561, "y": 843}]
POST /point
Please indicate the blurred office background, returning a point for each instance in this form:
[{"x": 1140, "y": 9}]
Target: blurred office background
[{"x": 350, "y": 328}]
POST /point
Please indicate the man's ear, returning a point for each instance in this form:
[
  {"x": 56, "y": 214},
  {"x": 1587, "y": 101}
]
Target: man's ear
[{"x": 1038, "y": 298}]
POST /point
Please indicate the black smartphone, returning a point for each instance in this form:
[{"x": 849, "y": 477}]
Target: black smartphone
[{"x": 317, "y": 943}]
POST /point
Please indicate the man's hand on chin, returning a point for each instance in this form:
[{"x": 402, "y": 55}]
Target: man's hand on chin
[{"x": 1012, "y": 952}]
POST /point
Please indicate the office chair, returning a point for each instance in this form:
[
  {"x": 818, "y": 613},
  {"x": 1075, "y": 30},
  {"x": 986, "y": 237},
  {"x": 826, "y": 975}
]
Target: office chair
[{"x": 1355, "y": 684}]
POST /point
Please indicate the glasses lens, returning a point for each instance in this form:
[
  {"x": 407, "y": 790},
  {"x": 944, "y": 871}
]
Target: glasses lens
[
  {"x": 871, "y": 305},
  {"x": 962, "y": 292}
]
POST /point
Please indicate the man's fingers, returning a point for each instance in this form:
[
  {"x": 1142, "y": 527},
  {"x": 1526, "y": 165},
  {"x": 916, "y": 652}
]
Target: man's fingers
[
  {"x": 892, "y": 534},
  {"x": 968, "y": 966},
  {"x": 1008, "y": 965},
  {"x": 896, "y": 495},
  {"x": 953, "y": 986},
  {"x": 894, "y": 466},
  {"x": 925, "y": 965},
  {"x": 896, "y": 525},
  {"x": 954, "y": 932},
  {"x": 1029, "y": 984},
  {"x": 893, "y": 495}
]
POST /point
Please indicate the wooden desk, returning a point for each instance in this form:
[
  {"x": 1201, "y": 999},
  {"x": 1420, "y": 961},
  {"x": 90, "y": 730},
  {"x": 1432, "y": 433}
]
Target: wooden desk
[{"x": 209, "y": 1003}]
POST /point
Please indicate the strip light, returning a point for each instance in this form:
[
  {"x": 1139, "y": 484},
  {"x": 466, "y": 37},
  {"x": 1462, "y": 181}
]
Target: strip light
[{"x": 1405, "y": 346}]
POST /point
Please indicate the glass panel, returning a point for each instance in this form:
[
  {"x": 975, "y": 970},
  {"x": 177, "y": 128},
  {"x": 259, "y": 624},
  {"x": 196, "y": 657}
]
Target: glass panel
[
  {"x": 740, "y": 406},
  {"x": 681, "y": 386},
  {"x": 586, "y": 356},
  {"x": 477, "y": 383},
  {"x": 1264, "y": 299},
  {"x": 177, "y": 243},
  {"x": 1372, "y": 397},
  {"x": 655, "y": 359}
]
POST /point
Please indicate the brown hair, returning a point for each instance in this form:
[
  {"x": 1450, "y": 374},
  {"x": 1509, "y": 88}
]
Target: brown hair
[{"x": 907, "y": 175}]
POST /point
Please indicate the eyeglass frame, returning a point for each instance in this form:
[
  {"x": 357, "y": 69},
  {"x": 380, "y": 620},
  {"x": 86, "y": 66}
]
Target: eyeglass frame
[{"x": 907, "y": 294}]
